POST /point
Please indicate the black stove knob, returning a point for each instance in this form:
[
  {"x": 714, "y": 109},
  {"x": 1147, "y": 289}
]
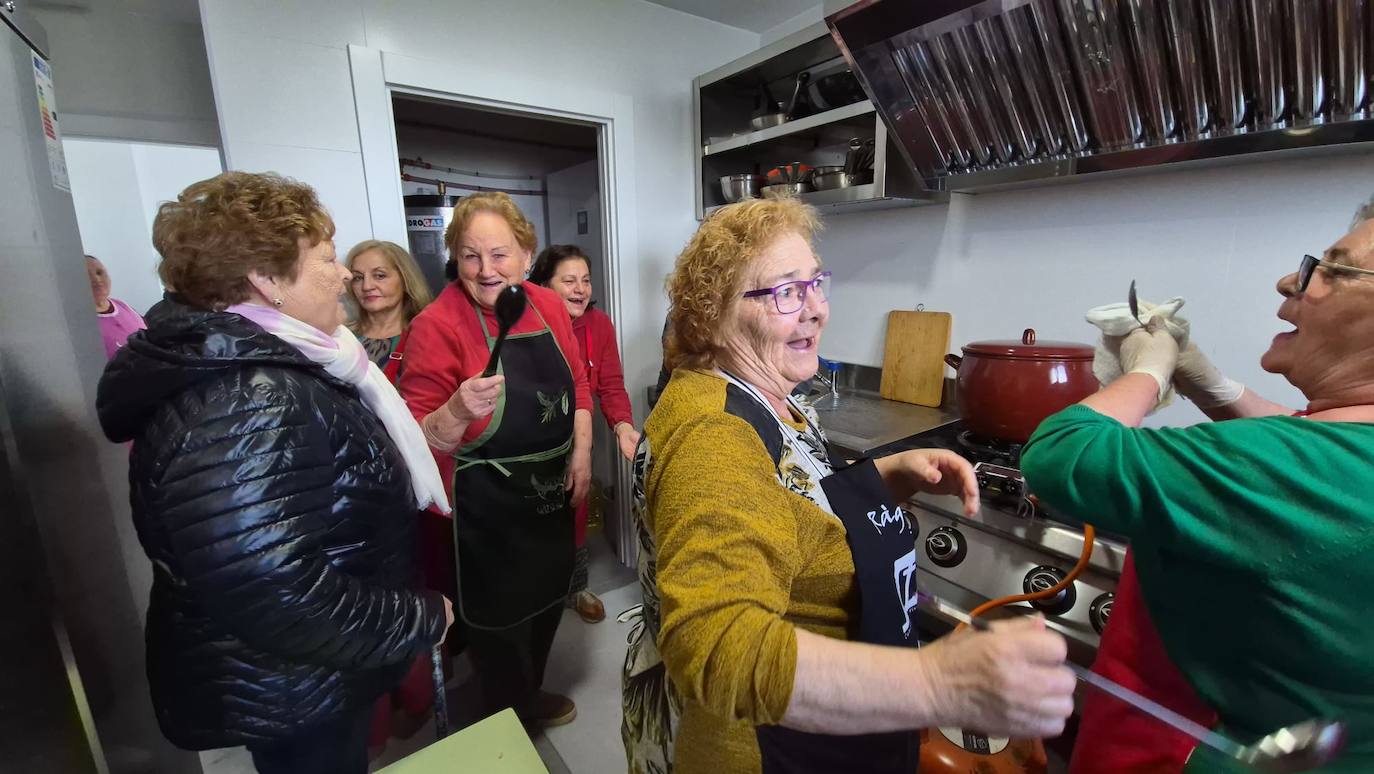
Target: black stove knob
[
  {"x": 1044, "y": 577},
  {"x": 1014, "y": 488},
  {"x": 1101, "y": 611},
  {"x": 946, "y": 546}
]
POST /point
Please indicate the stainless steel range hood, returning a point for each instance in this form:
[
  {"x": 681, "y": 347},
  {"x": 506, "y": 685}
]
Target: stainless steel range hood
[{"x": 986, "y": 94}]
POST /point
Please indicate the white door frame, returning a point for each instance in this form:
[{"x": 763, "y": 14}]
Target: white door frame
[{"x": 378, "y": 74}]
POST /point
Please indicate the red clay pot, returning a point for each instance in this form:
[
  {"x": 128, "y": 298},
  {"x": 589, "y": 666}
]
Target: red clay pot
[{"x": 1006, "y": 388}]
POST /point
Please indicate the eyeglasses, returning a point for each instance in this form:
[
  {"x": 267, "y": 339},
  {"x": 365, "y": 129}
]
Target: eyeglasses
[
  {"x": 791, "y": 296},
  {"x": 1309, "y": 265}
]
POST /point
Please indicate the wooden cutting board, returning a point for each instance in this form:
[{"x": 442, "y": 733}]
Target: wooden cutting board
[{"x": 914, "y": 356}]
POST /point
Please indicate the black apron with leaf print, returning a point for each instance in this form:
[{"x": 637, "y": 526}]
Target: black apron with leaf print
[{"x": 512, "y": 520}]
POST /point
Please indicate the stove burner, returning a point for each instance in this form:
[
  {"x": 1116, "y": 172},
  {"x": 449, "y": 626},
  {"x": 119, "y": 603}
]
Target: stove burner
[{"x": 990, "y": 450}]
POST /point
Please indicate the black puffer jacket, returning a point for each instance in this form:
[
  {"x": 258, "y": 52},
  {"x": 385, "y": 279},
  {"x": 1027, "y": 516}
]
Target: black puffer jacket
[{"x": 281, "y": 525}]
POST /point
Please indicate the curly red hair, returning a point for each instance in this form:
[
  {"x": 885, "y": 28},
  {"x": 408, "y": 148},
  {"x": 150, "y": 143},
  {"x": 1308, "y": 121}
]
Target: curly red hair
[
  {"x": 708, "y": 277},
  {"x": 220, "y": 230}
]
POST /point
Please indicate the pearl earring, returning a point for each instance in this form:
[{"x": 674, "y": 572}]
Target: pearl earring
[{"x": 277, "y": 301}]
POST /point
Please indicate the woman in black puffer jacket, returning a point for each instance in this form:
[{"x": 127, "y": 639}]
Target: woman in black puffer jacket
[{"x": 275, "y": 477}]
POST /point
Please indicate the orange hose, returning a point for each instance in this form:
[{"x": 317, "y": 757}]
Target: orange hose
[{"x": 1089, "y": 535}]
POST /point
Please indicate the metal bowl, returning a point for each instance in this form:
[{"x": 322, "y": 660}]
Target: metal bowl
[
  {"x": 781, "y": 190},
  {"x": 767, "y": 120},
  {"x": 740, "y": 187},
  {"x": 829, "y": 181}
]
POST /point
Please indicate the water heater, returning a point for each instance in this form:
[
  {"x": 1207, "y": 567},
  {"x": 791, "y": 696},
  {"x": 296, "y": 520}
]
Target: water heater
[{"x": 427, "y": 216}]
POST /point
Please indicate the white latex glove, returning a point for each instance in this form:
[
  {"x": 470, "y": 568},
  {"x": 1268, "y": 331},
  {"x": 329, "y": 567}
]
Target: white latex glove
[
  {"x": 1151, "y": 350},
  {"x": 1199, "y": 381}
]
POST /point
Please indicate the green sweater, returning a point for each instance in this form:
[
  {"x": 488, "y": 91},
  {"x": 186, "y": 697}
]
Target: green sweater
[{"x": 1254, "y": 545}]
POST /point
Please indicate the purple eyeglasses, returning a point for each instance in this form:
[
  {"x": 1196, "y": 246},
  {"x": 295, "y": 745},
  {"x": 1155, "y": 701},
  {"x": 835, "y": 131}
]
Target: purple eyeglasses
[{"x": 791, "y": 296}]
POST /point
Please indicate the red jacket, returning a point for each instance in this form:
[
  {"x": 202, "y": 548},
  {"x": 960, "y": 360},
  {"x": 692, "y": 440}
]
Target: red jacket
[
  {"x": 596, "y": 336},
  {"x": 445, "y": 347}
]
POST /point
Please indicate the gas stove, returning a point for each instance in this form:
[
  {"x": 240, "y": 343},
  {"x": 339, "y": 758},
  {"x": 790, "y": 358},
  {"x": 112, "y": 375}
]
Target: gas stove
[{"x": 1011, "y": 546}]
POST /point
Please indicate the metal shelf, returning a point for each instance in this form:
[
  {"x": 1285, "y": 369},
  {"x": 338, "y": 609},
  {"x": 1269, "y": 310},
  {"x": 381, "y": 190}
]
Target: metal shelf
[
  {"x": 723, "y": 99},
  {"x": 791, "y": 127},
  {"x": 861, "y": 197},
  {"x": 801, "y": 49}
]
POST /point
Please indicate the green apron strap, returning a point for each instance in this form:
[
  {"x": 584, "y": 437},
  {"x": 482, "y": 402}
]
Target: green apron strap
[{"x": 500, "y": 463}]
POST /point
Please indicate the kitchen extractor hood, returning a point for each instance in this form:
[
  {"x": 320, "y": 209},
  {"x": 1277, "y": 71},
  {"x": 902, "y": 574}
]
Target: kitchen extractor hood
[{"x": 985, "y": 94}]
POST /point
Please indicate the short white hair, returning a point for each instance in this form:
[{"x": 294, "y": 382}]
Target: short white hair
[{"x": 1363, "y": 212}]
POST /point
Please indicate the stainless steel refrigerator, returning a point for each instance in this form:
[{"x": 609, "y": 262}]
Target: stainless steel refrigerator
[{"x": 73, "y": 695}]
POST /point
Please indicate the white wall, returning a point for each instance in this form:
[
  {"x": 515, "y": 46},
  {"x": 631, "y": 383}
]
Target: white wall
[
  {"x": 813, "y": 15},
  {"x": 117, "y": 188},
  {"x": 284, "y": 96},
  {"x": 1040, "y": 257},
  {"x": 800, "y": 21},
  {"x": 132, "y": 73}
]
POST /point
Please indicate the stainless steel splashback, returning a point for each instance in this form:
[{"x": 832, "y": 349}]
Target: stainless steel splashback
[{"x": 981, "y": 94}]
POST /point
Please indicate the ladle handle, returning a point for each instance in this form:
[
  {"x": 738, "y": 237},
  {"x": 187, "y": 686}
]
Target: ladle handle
[
  {"x": 495, "y": 358},
  {"x": 1158, "y": 711},
  {"x": 1145, "y": 705}
]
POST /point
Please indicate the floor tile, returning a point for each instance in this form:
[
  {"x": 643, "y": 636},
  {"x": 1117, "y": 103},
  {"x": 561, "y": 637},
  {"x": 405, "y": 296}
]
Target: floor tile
[
  {"x": 585, "y": 665},
  {"x": 604, "y": 571}
]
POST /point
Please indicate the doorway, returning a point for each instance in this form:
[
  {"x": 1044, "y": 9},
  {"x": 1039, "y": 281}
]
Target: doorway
[
  {"x": 551, "y": 168},
  {"x": 548, "y": 167}
]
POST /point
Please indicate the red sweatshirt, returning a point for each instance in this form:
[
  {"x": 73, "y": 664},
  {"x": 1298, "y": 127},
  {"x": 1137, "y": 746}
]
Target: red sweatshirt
[
  {"x": 596, "y": 336},
  {"x": 446, "y": 347}
]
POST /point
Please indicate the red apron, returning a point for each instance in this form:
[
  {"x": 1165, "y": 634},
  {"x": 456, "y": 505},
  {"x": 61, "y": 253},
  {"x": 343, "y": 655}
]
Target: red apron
[{"x": 1114, "y": 738}]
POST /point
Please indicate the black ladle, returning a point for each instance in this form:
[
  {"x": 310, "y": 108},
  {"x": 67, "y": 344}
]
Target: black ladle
[
  {"x": 1299, "y": 747},
  {"x": 1134, "y": 304},
  {"x": 510, "y": 306}
]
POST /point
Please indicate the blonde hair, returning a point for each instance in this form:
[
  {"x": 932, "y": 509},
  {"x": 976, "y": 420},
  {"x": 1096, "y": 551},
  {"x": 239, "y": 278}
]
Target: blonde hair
[
  {"x": 707, "y": 279},
  {"x": 498, "y": 203},
  {"x": 413, "y": 286}
]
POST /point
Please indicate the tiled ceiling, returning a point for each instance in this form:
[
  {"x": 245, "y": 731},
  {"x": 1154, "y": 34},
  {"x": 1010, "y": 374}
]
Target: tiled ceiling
[{"x": 755, "y": 15}]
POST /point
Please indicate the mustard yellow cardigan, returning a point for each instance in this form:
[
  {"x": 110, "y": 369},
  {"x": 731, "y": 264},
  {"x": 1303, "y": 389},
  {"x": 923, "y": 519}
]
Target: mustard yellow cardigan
[{"x": 741, "y": 562}]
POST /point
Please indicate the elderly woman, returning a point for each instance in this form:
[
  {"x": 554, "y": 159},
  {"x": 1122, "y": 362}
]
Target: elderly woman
[
  {"x": 1252, "y": 538},
  {"x": 521, "y": 445},
  {"x": 778, "y": 590},
  {"x": 274, "y": 478},
  {"x": 118, "y": 321},
  {"x": 565, "y": 270},
  {"x": 389, "y": 291}
]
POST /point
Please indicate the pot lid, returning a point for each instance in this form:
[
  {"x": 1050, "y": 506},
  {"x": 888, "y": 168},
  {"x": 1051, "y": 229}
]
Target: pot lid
[{"x": 1029, "y": 348}]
